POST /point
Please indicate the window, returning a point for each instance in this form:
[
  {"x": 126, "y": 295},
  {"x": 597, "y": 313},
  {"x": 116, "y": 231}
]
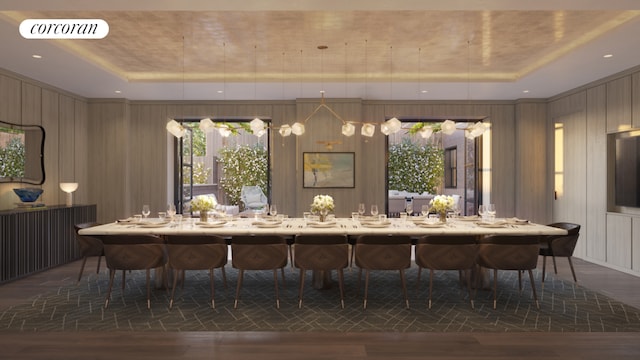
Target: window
[{"x": 451, "y": 167}]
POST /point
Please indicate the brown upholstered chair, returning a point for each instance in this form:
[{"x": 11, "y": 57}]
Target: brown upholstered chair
[
  {"x": 503, "y": 252},
  {"x": 560, "y": 246},
  {"x": 260, "y": 252},
  {"x": 321, "y": 253},
  {"x": 196, "y": 252},
  {"x": 88, "y": 246},
  {"x": 442, "y": 252},
  {"x": 132, "y": 252},
  {"x": 383, "y": 252}
]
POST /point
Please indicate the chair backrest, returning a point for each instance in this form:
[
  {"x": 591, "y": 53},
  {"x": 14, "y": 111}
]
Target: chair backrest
[
  {"x": 88, "y": 245},
  {"x": 564, "y": 245},
  {"x": 506, "y": 252},
  {"x": 383, "y": 252},
  {"x": 447, "y": 252},
  {"x": 260, "y": 252},
  {"x": 133, "y": 252},
  {"x": 196, "y": 252},
  {"x": 321, "y": 252},
  {"x": 252, "y": 196}
]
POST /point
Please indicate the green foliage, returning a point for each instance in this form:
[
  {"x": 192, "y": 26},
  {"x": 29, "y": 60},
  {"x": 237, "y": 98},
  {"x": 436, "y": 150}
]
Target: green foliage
[
  {"x": 199, "y": 140},
  {"x": 200, "y": 173},
  {"x": 12, "y": 158},
  {"x": 242, "y": 165},
  {"x": 415, "y": 168}
]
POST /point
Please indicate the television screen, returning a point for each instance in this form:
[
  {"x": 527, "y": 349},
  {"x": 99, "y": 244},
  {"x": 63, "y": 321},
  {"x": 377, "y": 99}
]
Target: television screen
[{"x": 627, "y": 169}]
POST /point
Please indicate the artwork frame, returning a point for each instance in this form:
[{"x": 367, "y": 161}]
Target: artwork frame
[{"x": 328, "y": 170}]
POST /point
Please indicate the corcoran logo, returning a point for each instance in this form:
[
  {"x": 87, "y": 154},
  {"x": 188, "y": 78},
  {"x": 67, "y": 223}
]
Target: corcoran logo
[{"x": 64, "y": 29}]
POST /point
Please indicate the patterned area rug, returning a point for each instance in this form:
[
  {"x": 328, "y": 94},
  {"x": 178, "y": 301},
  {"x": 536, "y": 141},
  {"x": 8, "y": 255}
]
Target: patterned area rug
[{"x": 565, "y": 307}]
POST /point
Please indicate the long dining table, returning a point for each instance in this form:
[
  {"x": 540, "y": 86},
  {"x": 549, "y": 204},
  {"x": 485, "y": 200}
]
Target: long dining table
[{"x": 290, "y": 227}]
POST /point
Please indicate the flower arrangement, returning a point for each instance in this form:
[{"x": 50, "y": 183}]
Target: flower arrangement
[
  {"x": 203, "y": 203},
  {"x": 322, "y": 203},
  {"x": 442, "y": 203}
]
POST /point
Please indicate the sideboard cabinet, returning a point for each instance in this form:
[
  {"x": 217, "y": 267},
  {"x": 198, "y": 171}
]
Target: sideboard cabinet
[{"x": 37, "y": 239}]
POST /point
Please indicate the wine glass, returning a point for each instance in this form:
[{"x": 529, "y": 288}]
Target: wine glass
[
  {"x": 361, "y": 209},
  {"x": 409, "y": 208},
  {"x": 374, "y": 210},
  {"x": 171, "y": 211},
  {"x": 424, "y": 210},
  {"x": 273, "y": 210},
  {"x": 491, "y": 210},
  {"x": 482, "y": 211},
  {"x": 146, "y": 211}
]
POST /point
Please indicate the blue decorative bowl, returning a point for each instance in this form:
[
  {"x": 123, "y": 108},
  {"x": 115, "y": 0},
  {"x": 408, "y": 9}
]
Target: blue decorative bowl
[{"x": 28, "y": 194}]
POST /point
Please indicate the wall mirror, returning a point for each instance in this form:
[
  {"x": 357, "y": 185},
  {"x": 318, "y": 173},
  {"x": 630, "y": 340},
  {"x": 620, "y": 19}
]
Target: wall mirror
[{"x": 21, "y": 153}]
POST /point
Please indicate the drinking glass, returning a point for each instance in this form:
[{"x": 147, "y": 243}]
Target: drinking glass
[
  {"x": 424, "y": 210},
  {"x": 491, "y": 210},
  {"x": 482, "y": 211},
  {"x": 409, "y": 209},
  {"x": 171, "y": 211},
  {"x": 146, "y": 211},
  {"x": 162, "y": 215},
  {"x": 273, "y": 210},
  {"x": 361, "y": 209},
  {"x": 374, "y": 210}
]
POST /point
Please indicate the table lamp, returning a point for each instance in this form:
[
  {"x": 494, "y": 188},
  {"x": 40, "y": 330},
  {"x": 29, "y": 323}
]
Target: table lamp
[{"x": 69, "y": 188}]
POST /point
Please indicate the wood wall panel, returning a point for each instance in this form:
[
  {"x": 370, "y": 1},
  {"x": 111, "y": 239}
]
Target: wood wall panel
[
  {"x": 593, "y": 232},
  {"x": 531, "y": 193},
  {"x": 50, "y": 123},
  {"x": 81, "y": 146},
  {"x": 635, "y": 243},
  {"x": 10, "y": 95},
  {"x": 619, "y": 240},
  {"x": 619, "y": 104},
  {"x": 502, "y": 120},
  {"x": 635, "y": 100}
]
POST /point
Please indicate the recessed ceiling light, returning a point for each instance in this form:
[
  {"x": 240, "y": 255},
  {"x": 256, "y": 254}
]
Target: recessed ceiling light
[
  {"x": 36, "y": 56},
  {"x": 220, "y": 91},
  {"x": 525, "y": 91},
  {"x": 424, "y": 91},
  {"x": 118, "y": 92},
  {"x": 608, "y": 56}
]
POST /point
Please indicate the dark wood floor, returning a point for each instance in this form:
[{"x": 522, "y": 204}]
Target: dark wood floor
[{"x": 350, "y": 346}]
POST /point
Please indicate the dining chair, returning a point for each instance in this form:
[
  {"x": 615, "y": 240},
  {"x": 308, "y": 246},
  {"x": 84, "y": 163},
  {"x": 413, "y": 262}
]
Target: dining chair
[
  {"x": 321, "y": 253},
  {"x": 133, "y": 252},
  {"x": 259, "y": 252},
  {"x": 447, "y": 252},
  {"x": 196, "y": 252},
  {"x": 383, "y": 252},
  {"x": 560, "y": 246},
  {"x": 508, "y": 252},
  {"x": 89, "y": 246}
]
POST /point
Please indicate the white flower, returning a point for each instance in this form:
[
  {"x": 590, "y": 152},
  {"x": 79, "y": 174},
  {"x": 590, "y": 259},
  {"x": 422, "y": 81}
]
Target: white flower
[
  {"x": 203, "y": 203},
  {"x": 322, "y": 202},
  {"x": 442, "y": 203}
]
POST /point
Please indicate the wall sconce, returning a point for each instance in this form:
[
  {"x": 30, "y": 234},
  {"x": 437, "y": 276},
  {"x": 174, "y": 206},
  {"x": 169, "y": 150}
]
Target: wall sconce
[
  {"x": 69, "y": 188},
  {"x": 175, "y": 128}
]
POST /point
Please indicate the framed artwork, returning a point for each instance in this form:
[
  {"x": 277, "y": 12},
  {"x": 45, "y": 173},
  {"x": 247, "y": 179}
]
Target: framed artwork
[{"x": 328, "y": 170}]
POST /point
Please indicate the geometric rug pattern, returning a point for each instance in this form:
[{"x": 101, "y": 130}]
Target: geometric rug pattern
[{"x": 564, "y": 306}]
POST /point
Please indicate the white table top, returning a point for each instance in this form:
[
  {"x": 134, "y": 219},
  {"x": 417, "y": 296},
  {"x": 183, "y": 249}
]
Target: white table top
[{"x": 295, "y": 226}]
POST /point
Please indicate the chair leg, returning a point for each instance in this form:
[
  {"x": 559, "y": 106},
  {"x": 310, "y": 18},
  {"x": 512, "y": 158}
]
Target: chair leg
[
  {"x": 124, "y": 278},
  {"x": 555, "y": 268},
  {"x": 533, "y": 287},
  {"x": 224, "y": 276},
  {"x": 341, "y": 285},
  {"x": 495, "y": 288},
  {"x": 519, "y": 281},
  {"x": 112, "y": 274},
  {"x": 240, "y": 277},
  {"x": 544, "y": 266},
  {"x": 284, "y": 283},
  {"x": 573, "y": 272},
  {"x": 366, "y": 288},
  {"x": 430, "y": 286},
  {"x": 84, "y": 261},
  {"x": 275, "y": 281},
  {"x": 98, "y": 267},
  {"x": 213, "y": 303},
  {"x": 468, "y": 277},
  {"x": 148, "y": 289},
  {"x": 301, "y": 290},
  {"x": 418, "y": 280},
  {"x": 173, "y": 288},
  {"x": 404, "y": 288}
]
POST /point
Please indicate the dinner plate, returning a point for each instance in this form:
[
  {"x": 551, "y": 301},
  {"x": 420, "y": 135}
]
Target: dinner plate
[
  {"x": 321, "y": 224},
  {"x": 376, "y": 225},
  {"x": 267, "y": 225},
  {"x": 153, "y": 225},
  {"x": 416, "y": 219},
  {"x": 468, "y": 218},
  {"x": 496, "y": 225},
  {"x": 211, "y": 224},
  {"x": 436, "y": 225}
]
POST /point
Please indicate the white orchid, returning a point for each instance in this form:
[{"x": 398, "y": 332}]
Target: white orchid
[
  {"x": 442, "y": 203},
  {"x": 322, "y": 202},
  {"x": 203, "y": 203}
]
